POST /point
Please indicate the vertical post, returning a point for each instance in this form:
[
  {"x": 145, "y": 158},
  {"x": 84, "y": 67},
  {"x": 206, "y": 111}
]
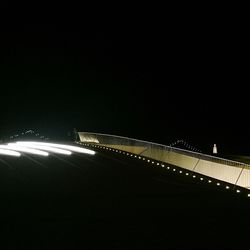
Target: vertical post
[
  {"x": 238, "y": 177},
  {"x": 196, "y": 164},
  {"x": 215, "y": 149}
]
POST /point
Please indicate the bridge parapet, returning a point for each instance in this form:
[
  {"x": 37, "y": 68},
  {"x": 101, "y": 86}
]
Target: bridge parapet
[{"x": 222, "y": 169}]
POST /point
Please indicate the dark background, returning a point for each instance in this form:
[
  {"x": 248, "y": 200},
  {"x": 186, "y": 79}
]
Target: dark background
[{"x": 157, "y": 75}]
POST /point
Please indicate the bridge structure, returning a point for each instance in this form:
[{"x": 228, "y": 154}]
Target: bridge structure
[
  {"x": 234, "y": 173},
  {"x": 111, "y": 192}
]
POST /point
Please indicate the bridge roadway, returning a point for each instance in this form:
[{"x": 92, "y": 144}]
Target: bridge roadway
[{"x": 112, "y": 201}]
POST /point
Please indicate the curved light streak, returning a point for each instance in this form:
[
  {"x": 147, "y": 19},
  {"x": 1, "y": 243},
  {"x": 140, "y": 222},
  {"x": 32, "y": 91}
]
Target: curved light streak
[
  {"x": 55, "y": 145},
  {"x": 13, "y": 146},
  {"x": 41, "y": 148},
  {"x": 46, "y": 148},
  {"x": 9, "y": 152}
]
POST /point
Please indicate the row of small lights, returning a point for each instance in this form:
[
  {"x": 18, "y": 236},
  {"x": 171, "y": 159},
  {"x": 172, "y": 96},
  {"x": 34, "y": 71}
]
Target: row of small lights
[
  {"x": 185, "y": 144},
  {"x": 29, "y": 132},
  {"x": 155, "y": 162}
]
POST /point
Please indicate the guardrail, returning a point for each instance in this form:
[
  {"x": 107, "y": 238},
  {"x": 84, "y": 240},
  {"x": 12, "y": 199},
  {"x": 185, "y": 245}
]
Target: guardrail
[{"x": 234, "y": 172}]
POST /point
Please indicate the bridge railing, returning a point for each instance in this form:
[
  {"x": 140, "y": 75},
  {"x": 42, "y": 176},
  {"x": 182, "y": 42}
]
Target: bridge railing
[{"x": 234, "y": 172}]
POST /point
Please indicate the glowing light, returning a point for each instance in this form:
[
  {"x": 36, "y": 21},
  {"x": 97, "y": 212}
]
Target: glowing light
[
  {"x": 248, "y": 195},
  {"x": 238, "y": 191},
  {"x": 50, "y": 149},
  {"x": 13, "y": 146},
  {"x": 218, "y": 184},
  {"x": 9, "y": 152},
  {"x": 180, "y": 172},
  {"x": 187, "y": 173},
  {"x": 62, "y": 146},
  {"x": 209, "y": 181},
  {"x": 227, "y": 187},
  {"x": 194, "y": 176},
  {"x": 201, "y": 179}
]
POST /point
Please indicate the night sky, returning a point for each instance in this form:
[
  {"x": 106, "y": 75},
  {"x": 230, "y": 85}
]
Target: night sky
[{"x": 149, "y": 77}]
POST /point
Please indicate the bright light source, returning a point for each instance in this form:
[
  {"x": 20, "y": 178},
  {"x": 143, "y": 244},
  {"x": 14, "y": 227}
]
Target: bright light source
[
  {"x": 46, "y": 148},
  {"x": 174, "y": 169},
  {"x": 158, "y": 164},
  {"x": 209, "y": 181},
  {"x": 163, "y": 165},
  {"x": 148, "y": 160},
  {"x": 62, "y": 146},
  {"x": 187, "y": 173},
  {"x": 201, "y": 179},
  {"x": 238, "y": 191},
  {"x": 248, "y": 195},
  {"x": 218, "y": 184},
  {"x": 13, "y": 146},
  {"x": 194, "y": 176},
  {"x": 227, "y": 187},
  {"x": 9, "y": 152},
  {"x": 180, "y": 172}
]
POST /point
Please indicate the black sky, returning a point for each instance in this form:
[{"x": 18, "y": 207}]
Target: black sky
[{"x": 148, "y": 76}]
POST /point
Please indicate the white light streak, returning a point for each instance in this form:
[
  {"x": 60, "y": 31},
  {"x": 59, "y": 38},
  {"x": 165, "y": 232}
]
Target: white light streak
[
  {"x": 62, "y": 146},
  {"x": 47, "y": 148},
  {"x": 9, "y": 152},
  {"x": 13, "y": 146}
]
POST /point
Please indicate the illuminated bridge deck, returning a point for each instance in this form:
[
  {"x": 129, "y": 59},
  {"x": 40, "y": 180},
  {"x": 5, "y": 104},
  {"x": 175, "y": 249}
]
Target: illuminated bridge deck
[{"x": 114, "y": 201}]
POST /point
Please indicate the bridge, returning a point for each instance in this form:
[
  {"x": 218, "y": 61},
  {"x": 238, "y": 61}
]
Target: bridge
[
  {"x": 120, "y": 193},
  {"x": 228, "y": 171}
]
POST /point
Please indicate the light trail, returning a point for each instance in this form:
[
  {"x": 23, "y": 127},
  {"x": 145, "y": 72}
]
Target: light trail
[
  {"x": 12, "y": 146},
  {"x": 47, "y": 148},
  {"x": 9, "y": 152},
  {"x": 63, "y": 146}
]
